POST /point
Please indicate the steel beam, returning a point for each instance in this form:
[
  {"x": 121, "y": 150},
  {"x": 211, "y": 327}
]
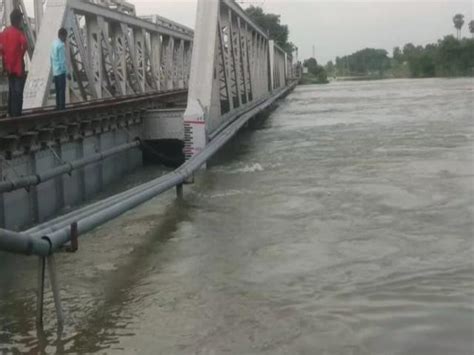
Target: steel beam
[
  {"x": 234, "y": 65},
  {"x": 84, "y": 7},
  {"x": 39, "y": 78},
  {"x": 111, "y": 53}
]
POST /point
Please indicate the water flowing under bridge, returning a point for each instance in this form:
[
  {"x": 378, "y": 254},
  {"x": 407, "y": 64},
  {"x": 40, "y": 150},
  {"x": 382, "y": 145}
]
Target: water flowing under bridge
[{"x": 134, "y": 80}]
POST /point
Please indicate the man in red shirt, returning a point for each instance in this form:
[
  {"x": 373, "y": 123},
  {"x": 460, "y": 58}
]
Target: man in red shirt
[{"x": 13, "y": 45}]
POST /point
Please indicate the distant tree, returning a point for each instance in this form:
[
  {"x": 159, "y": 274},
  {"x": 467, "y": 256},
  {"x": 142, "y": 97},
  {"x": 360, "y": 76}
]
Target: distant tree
[
  {"x": 471, "y": 28},
  {"x": 364, "y": 62},
  {"x": 316, "y": 70},
  {"x": 311, "y": 64},
  {"x": 290, "y": 47},
  {"x": 449, "y": 57},
  {"x": 311, "y": 61},
  {"x": 458, "y": 21},
  {"x": 398, "y": 64},
  {"x": 409, "y": 50},
  {"x": 271, "y": 24},
  {"x": 452, "y": 56},
  {"x": 322, "y": 75},
  {"x": 330, "y": 68},
  {"x": 397, "y": 54}
]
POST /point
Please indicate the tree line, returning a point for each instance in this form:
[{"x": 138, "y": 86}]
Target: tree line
[
  {"x": 450, "y": 56},
  {"x": 271, "y": 23},
  {"x": 317, "y": 74}
]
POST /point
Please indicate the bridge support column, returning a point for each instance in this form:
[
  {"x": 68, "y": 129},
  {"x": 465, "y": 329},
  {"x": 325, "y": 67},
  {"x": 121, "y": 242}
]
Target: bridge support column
[
  {"x": 9, "y": 7},
  {"x": 39, "y": 78},
  {"x": 38, "y": 4},
  {"x": 201, "y": 78}
]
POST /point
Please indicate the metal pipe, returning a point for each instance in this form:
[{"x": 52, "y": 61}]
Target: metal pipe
[
  {"x": 187, "y": 169},
  {"x": 53, "y": 279},
  {"x": 40, "y": 293},
  {"x": 19, "y": 243},
  {"x": 45, "y": 244},
  {"x": 74, "y": 216},
  {"x": 62, "y": 236},
  {"x": 32, "y": 180},
  {"x": 68, "y": 219},
  {"x": 160, "y": 185}
]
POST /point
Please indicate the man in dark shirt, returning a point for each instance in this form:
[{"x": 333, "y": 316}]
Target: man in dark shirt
[{"x": 13, "y": 44}]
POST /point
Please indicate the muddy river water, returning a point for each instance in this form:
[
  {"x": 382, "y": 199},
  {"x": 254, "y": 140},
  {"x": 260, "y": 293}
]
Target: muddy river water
[{"x": 343, "y": 224}]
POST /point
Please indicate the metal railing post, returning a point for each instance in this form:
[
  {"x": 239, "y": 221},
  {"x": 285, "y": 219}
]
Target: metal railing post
[
  {"x": 180, "y": 191},
  {"x": 50, "y": 260},
  {"x": 40, "y": 294},
  {"x": 55, "y": 288}
]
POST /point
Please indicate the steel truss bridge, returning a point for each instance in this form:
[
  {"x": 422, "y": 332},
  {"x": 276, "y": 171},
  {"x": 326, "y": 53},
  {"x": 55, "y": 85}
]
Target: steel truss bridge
[{"x": 129, "y": 73}]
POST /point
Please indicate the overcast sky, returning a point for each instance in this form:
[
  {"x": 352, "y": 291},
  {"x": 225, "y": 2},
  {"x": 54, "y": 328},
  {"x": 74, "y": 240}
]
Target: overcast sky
[{"x": 339, "y": 27}]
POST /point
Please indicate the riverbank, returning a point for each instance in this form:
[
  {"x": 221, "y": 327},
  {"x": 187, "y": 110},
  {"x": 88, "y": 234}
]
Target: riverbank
[
  {"x": 390, "y": 77},
  {"x": 309, "y": 79},
  {"x": 359, "y": 78}
]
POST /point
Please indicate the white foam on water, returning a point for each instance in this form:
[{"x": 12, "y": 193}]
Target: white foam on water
[
  {"x": 250, "y": 169},
  {"x": 229, "y": 193}
]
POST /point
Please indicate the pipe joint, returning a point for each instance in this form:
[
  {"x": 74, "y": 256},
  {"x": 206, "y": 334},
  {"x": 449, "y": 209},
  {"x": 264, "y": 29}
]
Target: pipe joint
[{"x": 48, "y": 240}]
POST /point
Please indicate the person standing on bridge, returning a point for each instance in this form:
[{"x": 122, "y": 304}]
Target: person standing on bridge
[
  {"x": 59, "y": 65},
  {"x": 13, "y": 46}
]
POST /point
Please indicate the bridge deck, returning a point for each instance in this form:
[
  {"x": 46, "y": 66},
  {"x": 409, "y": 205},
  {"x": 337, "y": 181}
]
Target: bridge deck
[{"x": 75, "y": 119}]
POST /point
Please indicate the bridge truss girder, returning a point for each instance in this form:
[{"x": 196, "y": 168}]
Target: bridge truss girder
[
  {"x": 234, "y": 67},
  {"x": 111, "y": 54}
]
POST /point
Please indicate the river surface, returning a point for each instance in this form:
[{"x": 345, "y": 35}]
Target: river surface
[{"x": 341, "y": 225}]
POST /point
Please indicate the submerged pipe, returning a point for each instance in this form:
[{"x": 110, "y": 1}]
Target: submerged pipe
[
  {"x": 65, "y": 221},
  {"x": 25, "y": 244},
  {"x": 68, "y": 168},
  {"x": 68, "y": 219},
  {"x": 160, "y": 185},
  {"x": 44, "y": 240}
]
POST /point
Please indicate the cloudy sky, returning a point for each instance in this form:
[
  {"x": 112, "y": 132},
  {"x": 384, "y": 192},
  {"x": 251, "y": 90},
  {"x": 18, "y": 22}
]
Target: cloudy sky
[{"x": 339, "y": 27}]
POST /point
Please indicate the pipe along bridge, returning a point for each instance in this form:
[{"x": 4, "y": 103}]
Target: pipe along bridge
[{"x": 136, "y": 82}]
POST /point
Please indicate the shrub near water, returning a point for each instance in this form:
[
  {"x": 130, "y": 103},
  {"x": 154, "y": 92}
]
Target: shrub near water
[{"x": 316, "y": 73}]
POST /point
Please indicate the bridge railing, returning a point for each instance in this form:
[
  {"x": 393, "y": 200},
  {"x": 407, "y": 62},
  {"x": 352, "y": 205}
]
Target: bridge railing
[
  {"x": 234, "y": 67},
  {"x": 111, "y": 53}
]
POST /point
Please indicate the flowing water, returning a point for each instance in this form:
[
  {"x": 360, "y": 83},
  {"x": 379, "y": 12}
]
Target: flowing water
[{"x": 341, "y": 225}]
